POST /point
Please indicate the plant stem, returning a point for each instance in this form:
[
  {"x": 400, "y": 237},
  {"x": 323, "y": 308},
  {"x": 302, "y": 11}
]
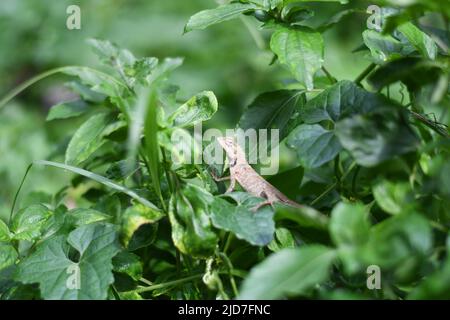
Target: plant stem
[
  {"x": 329, "y": 76},
  {"x": 333, "y": 185},
  {"x": 17, "y": 90},
  {"x": 365, "y": 73},
  {"x": 168, "y": 284},
  {"x": 17, "y": 193},
  {"x": 260, "y": 43},
  {"x": 224, "y": 257},
  {"x": 228, "y": 242}
]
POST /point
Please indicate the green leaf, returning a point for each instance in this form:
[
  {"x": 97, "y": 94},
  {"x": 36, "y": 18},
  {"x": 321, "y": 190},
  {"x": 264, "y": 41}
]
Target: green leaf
[
  {"x": 121, "y": 170},
  {"x": 349, "y": 225},
  {"x": 393, "y": 198},
  {"x": 135, "y": 219},
  {"x": 304, "y": 216},
  {"x": 61, "y": 278},
  {"x": 349, "y": 229},
  {"x": 197, "y": 109},
  {"x": 79, "y": 217},
  {"x": 85, "y": 93},
  {"x": 8, "y": 256},
  {"x": 109, "y": 183},
  {"x": 382, "y": 47},
  {"x": 419, "y": 39},
  {"x": 341, "y": 100},
  {"x": 436, "y": 286},
  {"x": 335, "y": 19},
  {"x": 151, "y": 140},
  {"x": 225, "y": 12},
  {"x": 27, "y": 222},
  {"x": 88, "y": 138},
  {"x": 399, "y": 239},
  {"x": 289, "y": 272},
  {"x": 191, "y": 227},
  {"x": 273, "y": 110},
  {"x": 412, "y": 71},
  {"x": 257, "y": 228},
  {"x": 5, "y": 235},
  {"x": 301, "y": 50},
  {"x": 128, "y": 263},
  {"x": 283, "y": 240},
  {"x": 97, "y": 81},
  {"x": 376, "y": 137},
  {"x": 67, "y": 109},
  {"x": 314, "y": 145}
]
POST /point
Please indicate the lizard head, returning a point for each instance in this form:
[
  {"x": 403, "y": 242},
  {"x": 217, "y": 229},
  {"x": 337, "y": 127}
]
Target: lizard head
[{"x": 232, "y": 149}]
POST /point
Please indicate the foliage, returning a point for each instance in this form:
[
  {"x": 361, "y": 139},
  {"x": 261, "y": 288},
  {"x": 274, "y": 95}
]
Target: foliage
[{"x": 372, "y": 172}]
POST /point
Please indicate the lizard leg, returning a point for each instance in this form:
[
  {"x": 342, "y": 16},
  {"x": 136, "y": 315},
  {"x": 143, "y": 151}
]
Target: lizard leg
[
  {"x": 262, "y": 204},
  {"x": 232, "y": 184},
  {"x": 216, "y": 178}
]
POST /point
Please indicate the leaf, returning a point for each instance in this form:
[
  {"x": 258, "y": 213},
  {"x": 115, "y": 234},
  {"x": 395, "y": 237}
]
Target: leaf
[
  {"x": 121, "y": 170},
  {"x": 79, "y": 217},
  {"x": 341, "y": 100},
  {"x": 283, "y": 240},
  {"x": 419, "y": 39},
  {"x": 335, "y": 19},
  {"x": 97, "y": 81},
  {"x": 349, "y": 225},
  {"x": 273, "y": 110},
  {"x": 151, "y": 140},
  {"x": 191, "y": 227},
  {"x": 56, "y": 274},
  {"x": 376, "y": 137},
  {"x": 289, "y": 272},
  {"x": 206, "y": 18},
  {"x": 5, "y": 235},
  {"x": 314, "y": 145},
  {"x": 257, "y": 228},
  {"x": 435, "y": 286},
  {"x": 397, "y": 240},
  {"x": 197, "y": 109},
  {"x": 128, "y": 263},
  {"x": 87, "y": 139},
  {"x": 8, "y": 256},
  {"x": 301, "y": 50},
  {"x": 27, "y": 222},
  {"x": 67, "y": 109},
  {"x": 99, "y": 179},
  {"x": 412, "y": 71},
  {"x": 393, "y": 198},
  {"x": 383, "y": 47},
  {"x": 85, "y": 93},
  {"x": 135, "y": 218},
  {"x": 304, "y": 216}
]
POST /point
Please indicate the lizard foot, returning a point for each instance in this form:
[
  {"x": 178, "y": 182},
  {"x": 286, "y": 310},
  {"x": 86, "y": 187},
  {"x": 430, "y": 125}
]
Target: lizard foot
[{"x": 260, "y": 205}]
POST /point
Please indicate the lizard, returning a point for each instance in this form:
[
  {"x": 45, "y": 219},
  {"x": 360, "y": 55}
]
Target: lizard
[{"x": 242, "y": 173}]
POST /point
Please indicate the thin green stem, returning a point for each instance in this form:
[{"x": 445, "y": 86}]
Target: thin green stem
[
  {"x": 147, "y": 282},
  {"x": 333, "y": 185},
  {"x": 228, "y": 242},
  {"x": 227, "y": 261},
  {"x": 17, "y": 193},
  {"x": 365, "y": 73},
  {"x": 17, "y": 90},
  {"x": 329, "y": 76},
  {"x": 260, "y": 43},
  {"x": 168, "y": 284}
]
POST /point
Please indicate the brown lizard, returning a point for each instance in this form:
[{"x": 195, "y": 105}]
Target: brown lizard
[{"x": 247, "y": 177}]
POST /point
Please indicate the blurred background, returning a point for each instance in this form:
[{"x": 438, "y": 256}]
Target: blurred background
[{"x": 228, "y": 59}]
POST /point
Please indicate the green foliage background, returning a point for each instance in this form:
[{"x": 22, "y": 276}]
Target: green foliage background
[{"x": 365, "y": 150}]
